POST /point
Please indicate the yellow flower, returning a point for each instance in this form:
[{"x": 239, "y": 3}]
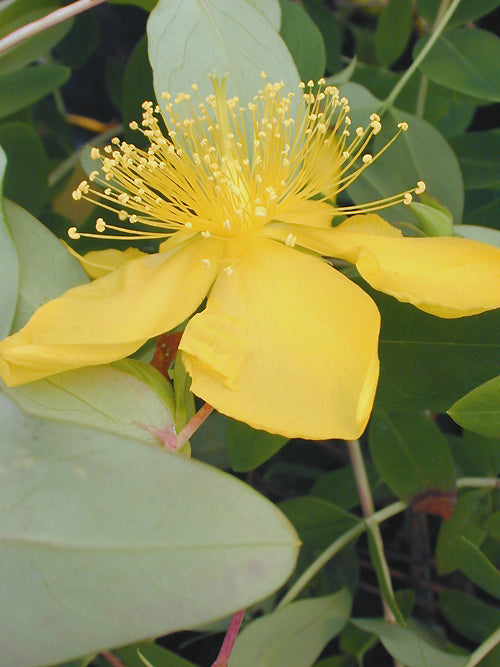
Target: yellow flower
[{"x": 243, "y": 196}]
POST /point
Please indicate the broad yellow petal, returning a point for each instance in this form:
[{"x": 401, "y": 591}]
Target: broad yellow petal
[
  {"x": 98, "y": 263},
  {"x": 286, "y": 344},
  {"x": 308, "y": 212},
  {"x": 444, "y": 276},
  {"x": 113, "y": 316}
]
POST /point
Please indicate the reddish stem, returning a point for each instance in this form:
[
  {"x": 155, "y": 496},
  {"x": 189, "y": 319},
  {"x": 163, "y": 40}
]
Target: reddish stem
[
  {"x": 112, "y": 659},
  {"x": 194, "y": 424},
  {"x": 229, "y": 639}
]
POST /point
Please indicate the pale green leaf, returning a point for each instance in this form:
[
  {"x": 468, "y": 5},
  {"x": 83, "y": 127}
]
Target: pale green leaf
[
  {"x": 479, "y": 233},
  {"x": 270, "y": 9},
  {"x": 47, "y": 269},
  {"x": 479, "y": 410},
  {"x": 407, "y": 646},
  {"x": 9, "y": 264},
  {"x": 102, "y": 397},
  {"x": 189, "y": 40},
  {"x": 294, "y": 635},
  {"x": 104, "y": 542}
]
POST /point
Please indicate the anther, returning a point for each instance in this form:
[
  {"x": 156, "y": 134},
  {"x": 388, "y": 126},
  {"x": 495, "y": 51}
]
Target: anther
[
  {"x": 95, "y": 153},
  {"x": 100, "y": 225},
  {"x": 291, "y": 240},
  {"x": 73, "y": 234},
  {"x": 206, "y": 234},
  {"x": 420, "y": 188},
  {"x": 228, "y": 270},
  {"x": 367, "y": 158},
  {"x": 205, "y": 262},
  {"x": 407, "y": 199},
  {"x": 403, "y": 126}
]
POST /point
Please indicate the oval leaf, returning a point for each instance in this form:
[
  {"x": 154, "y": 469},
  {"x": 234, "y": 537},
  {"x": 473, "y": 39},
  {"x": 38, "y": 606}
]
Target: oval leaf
[
  {"x": 393, "y": 30},
  {"x": 479, "y": 410},
  {"x": 9, "y": 264},
  {"x": 247, "y": 448},
  {"x": 465, "y": 60},
  {"x": 22, "y": 88},
  {"x": 190, "y": 40},
  {"x": 47, "y": 269},
  {"x": 294, "y": 635},
  {"x": 304, "y": 39},
  {"x": 95, "y": 528}
]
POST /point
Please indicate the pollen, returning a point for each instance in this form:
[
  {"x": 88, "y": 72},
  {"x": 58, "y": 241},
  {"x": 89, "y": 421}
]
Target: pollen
[{"x": 225, "y": 168}]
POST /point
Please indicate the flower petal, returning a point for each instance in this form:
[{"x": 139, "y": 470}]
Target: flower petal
[
  {"x": 444, "y": 276},
  {"x": 113, "y": 316},
  {"x": 310, "y": 213},
  {"x": 286, "y": 344},
  {"x": 98, "y": 263}
]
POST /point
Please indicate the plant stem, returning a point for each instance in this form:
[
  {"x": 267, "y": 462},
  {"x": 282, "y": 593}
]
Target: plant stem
[
  {"x": 69, "y": 163},
  {"x": 55, "y": 17},
  {"x": 421, "y": 56},
  {"x": 424, "y": 81},
  {"x": 112, "y": 659},
  {"x": 335, "y": 547},
  {"x": 368, "y": 508},
  {"x": 229, "y": 639},
  {"x": 487, "y": 646},
  {"x": 478, "y": 482},
  {"x": 194, "y": 424}
]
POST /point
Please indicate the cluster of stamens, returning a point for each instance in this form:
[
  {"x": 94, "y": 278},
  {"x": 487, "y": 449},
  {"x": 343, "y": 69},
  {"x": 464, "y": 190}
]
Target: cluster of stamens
[{"x": 224, "y": 169}]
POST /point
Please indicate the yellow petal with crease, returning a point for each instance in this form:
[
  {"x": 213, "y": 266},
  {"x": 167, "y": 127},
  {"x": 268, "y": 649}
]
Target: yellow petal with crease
[
  {"x": 113, "y": 316},
  {"x": 98, "y": 263},
  {"x": 445, "y": 276},
  {"x": 286, "y": 344},
  {"x": 308, "y": 212}
]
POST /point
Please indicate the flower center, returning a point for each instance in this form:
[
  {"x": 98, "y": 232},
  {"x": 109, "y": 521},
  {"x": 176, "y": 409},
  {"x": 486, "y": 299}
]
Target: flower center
[{"x": 225, "y": 170}]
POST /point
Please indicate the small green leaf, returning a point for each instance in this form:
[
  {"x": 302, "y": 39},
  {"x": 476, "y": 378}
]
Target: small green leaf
[
  {"x": 228, "y": 37},
  {"x": 432, "y": 220},
  {"x": 377, "y": 558},
  {"x": 304, "y": 40},
  {"x": 84, "y": 512},
  {"x": 27, "y": 166},
  {"x": 473, "y": 563},
  {"x": 30, "y": 49},
  {"x": 464, "y": 60},
  {"x": 477, "y": 153},
  {"x": 479, "y": 410},
  {"x": 22, "y": 88},
  {"x": 46, "y": 268},
  {"x": 470, "y": 511},
  {"x": 407, "y": 646},
  {"x": 468, "y": 615},
  {"x": 393, "y": 30},
  {"x": 9, "y": 264},
  {"x": 294, "y": 635},
  {"x": 318, "y": 522},
  {"x": 411, "y": 454},
  {"x": 247, "y": 448}
]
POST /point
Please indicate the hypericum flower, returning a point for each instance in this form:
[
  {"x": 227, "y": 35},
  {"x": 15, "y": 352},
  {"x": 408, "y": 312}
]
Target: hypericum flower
[{"x": 243, "y": 195}]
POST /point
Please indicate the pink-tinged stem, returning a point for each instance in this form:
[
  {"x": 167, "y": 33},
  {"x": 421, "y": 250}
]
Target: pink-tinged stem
[
  {"x": 194, "y": 424},
  {"x": 112, "y": 659},
  {"x": 55, "y": 17},
  {"x": 229, "y": 639}
]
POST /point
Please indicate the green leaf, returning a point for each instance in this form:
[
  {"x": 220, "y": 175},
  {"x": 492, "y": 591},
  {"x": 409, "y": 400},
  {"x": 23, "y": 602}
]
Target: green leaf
[
  {"x": 81, "y": 41},
  {"x": 156, "y": 655},
  {"x": 478, "y": 233},
  {"x": 247, "y": 448},
  {"x": 339, "y": 486},
  {"x": 101, "y": 397},
  {"x": 393, "y": 30},
  {"x": 27, "y": 166},
  {"x": 337, "y": 661},
  {"x": 9, "y": 264},
  {"x": 22, "y": 88},
  {"x": 407, "y": 646},
  {"x": 331, "y": 29},
  {"x": 304, "y": 40},
  {"x": 434, "y": 221},
  {"x": 477, "y": 153},
  {"x": 473, "y": 563},
  {"x": 467, "y": 10},
  {"x": 377, "y": 558},
  {"x": 270, "y": 9},
  {"x": 228, "y": 37},
  {"x": 479, "y": 410},
  {"x": 30, "y": 49},
  {"x": 147, "y": 5},
  {"x": 464, "y": 60},
  {"x": 475, "y": 455},
  {"x": 421, "y": 153},
  {"x": 492, "y": 525},
  {"x": 294, "y": 635},
  {"x": 46, "y": 268},
  {"x": 95, "y": 528},
  {"x": 411, "y": 454},
  {"x": 318, "y": 522},
  {"x": 137, "y": 87},
  {"x": 470, "y": 511},
  {"x": 428, "y": 362},
  {"x": 468, "y": 615}
]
